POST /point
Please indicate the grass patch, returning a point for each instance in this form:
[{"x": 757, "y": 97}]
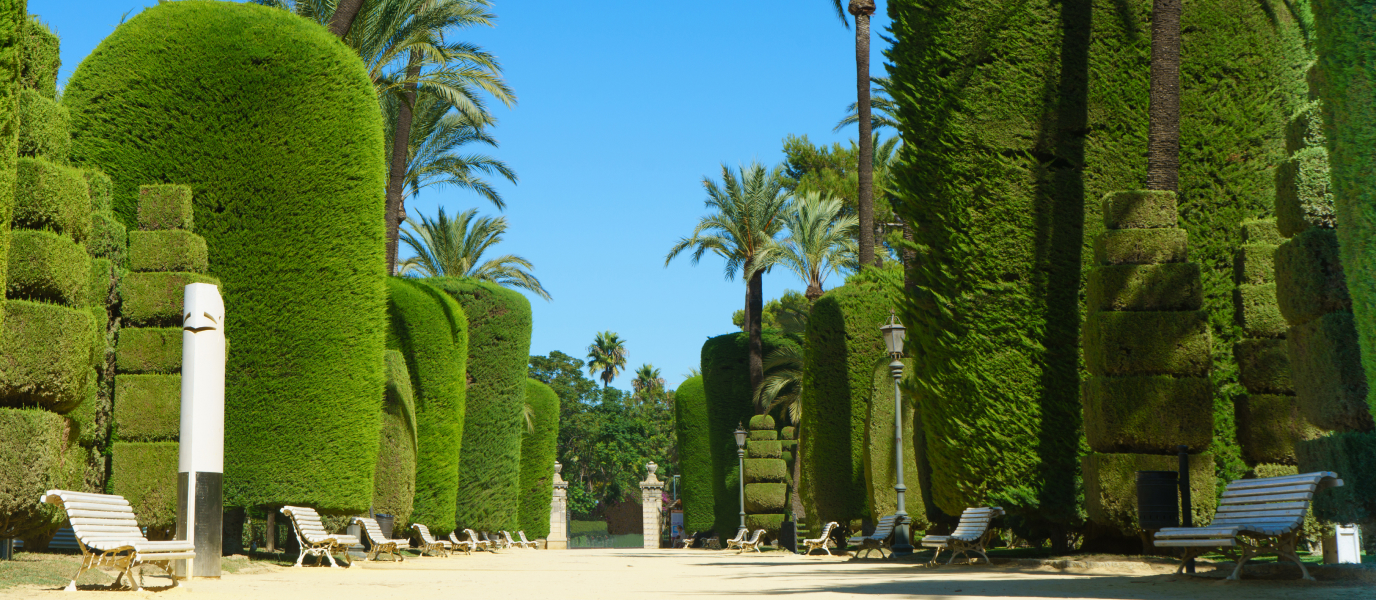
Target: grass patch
[{"x": 47, "y": 569}]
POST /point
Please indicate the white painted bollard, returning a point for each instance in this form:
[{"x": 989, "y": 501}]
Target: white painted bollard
[{"x": 200, "y": 465}]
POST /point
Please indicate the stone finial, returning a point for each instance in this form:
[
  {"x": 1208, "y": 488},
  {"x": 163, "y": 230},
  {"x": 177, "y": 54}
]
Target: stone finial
[
  {"x": 651, "y": 467},
  {"x": 558, "y": 468}
]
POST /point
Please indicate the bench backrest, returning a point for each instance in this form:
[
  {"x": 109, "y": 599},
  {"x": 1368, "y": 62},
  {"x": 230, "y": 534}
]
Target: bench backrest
[
  {"x": 306, "y": 523},
  {"x": 884, "y": 528},
  {"x": 523, "y": 536},
  {"x": 755, "y": 537},
  {"x": 974, "y": 522},
  {"x": 826, "y": 531},
  {"x": 1278, "y": 503},
  {"x": 372, "y": 530},
  {"x": 740, "y": 534},
  {"x": 473, "y": 536},
  {"x": 424, "y": 533},
  {"x": 97, "y": 517}
]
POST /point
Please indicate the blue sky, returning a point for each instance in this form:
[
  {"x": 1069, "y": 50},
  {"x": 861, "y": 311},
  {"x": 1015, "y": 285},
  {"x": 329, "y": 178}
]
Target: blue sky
[{"x": 623, "y": 108}]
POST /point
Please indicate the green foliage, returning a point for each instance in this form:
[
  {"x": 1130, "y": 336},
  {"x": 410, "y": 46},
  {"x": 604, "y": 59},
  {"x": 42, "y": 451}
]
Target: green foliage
[
  {"x": 83, "y": 418},
  {"x": 394, "y": 478},
  {"x": 35, "y": 457},
  {"x": 168, "y": 250},
  {"x": 1139, "y": 209},
  {"x": 1305, "y": 128},
  {"x": 1255, "y": 264},
  {"x": 455, "y": 248},
  {"x": 1141, "y": 246},
  {"x": 1147, "y": 343},
  {"x": 155, "y": 299},
  {"x": 102, "y": 281},
  {"x": 787, "y": 313},
  {"x": 763, "y": 448},
  {"x": 770, "y": 523},
  {"x": 44, "y": 266},
  {"x": 1111, "y": 486},
  {"x": 1269, "y": 426},
  {"x": 587, "y": 528},
  {"x": 148, "y": 407},
  {"x": 538, "y": 448},
  {"x": 764, "y": 498},
  {"x": 98, "y": 186},
  {"x": 44, "y": 127},
  {"x": 879, "y": 461},
  {"x": 1352, "y": 455},
  {"x": 1260, "y": 231},
  {"x": 165, "y": 207},
  {"x": 1169, "y": 287},
  {"x": 108, "y": 238},
  {"x": 429, "y": 328},
  {"x": 499, "y": 325},
  {"x": 39, "y": 57},
  {"x": 765, "y": 470},
  {"x": 692, "y": 428},
  {"x": 1309, "y": 277},
  {"x": 1325, "y": 365},
  {"x": 13, "y": 18},
  {"x": 282, "y": 195},
  {"x": 46, "y": 349},
  {"x": 831, "y": 171},
  {"x": 145, "y": 473},
  {"x": 1148, "y": 414},
  {"x": 149, "y": 350},
  {"x": 51, "y": 196},
  {"x": 1264, "y": 366},
  {"x": 1303, "y": 197},
  {"x": 1257, "y": 312}
]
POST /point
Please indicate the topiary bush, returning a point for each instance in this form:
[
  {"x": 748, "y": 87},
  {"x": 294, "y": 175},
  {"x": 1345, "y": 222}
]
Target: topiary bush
[
  {"x": 47, "y": 349},
  {"x": 394, "y": 478},
  {"x": 499, "y": 325},
  {"x": 53, "y": 197},
  {"x": 287, "y": 200},
  {"x": 170, "y": 250},
  {"x": 40, "y": 55},
  {"x": 429, "y": 328},
  {"x": 45, "y": 127},
  {"x": 47, "y": 267},
  {"x": 148, "y": 407},
  {"x": 538, "y": 448},
  {"x": 1326, "y": 369},
  {"x": 165, "y": 207},
  {"x": 1111, "y": 487},
  {"x": 1146, "y": 414},
  {"x": 36, "y": 456},
  {"x": 155, "y": 299},
  {"x": 149, "y": 350},
  {"x": 145, "y": 473},
  {"x": 879, "y": 462},
  {"x": 1269, "y": 426},
  {"x": 13, "y": 18},
  {"x": 692, "y": 429}
]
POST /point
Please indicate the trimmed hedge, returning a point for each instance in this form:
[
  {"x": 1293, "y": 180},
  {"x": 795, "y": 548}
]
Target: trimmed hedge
[
  {"x": 1303, "y": 197},
  {"x": 83, "y": 418},
  {"x": 1147, "y": 343},
  {"x": 1264, "y": 366},
  {"x": 287, "y": 200},
  {"x": 163, "y": 207},
  {"x": 1139, "y": 209},
  {"x": 765, "y": 470},
  {"x": 1141, "y": 246},
  {"x": 767, "y": 435},
  {"x": 692, "y": 431},
  {"x": 145, "y": 473},
  {"x": 44, "y": 127},
  {"x": 35, "y": 458},
  {"x": 879, "y": 465},
  {"x": 108, "y": 238},
  {"x": 394, "y": 478},
  {"x": 1352, "y": 455},
  {"x": 47, "y": 349},
  {"x": 1149, "y": 415},
  {"x": 538, "y": 450},
  {"x": 1255, "y": 310},
  {"x": 1305, "y": 128},
  {"x": 726, "y": 389},
  {"x": 51, "y": 196},
  {"x": 1269, "y": 426},
  {"x": 843, "y": 345},
  {"x": 1309, "y": 277},
  {"x": 98, "y": 186},
  {"x": 1255, "y": 264},
  {"x": 499, "y": 325},
  {"x": 172, "y": 250},
  {"x": 429, "y": 328},
  {"x": 149, "y": 350},
  {"x": 1111, "y": 487},
  {"x": 764, "y": 499},
  {"x": 148, "y": 408},
  {"x": 764, "y": 448},
  {"x": 44, "y": 266},
  {"x": 155, "y": 299},
  {"x": 1169, "y": 287},
  {"x": 39, "y": 58},
  {"x": 1261, "y": 231},
  {"x": 13, "y": 18},
  {"x": 1325, "y": 365},
  {"x": 769, "y": 522},
  {"x": 103, "y": 280}
]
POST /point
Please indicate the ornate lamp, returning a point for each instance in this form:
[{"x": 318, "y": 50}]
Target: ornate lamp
[
  {"x": 740, "y": 434},
  {"x": 894, "y": 335}
]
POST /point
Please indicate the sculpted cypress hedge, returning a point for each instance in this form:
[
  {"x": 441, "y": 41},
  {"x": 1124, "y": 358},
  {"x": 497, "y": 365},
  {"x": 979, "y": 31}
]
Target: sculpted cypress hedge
[
  {"x": 12, "y": 18},
  {"x": 879, "y": 464},
  {"x": 537, "y": 459},
  {"x": 499, "y": 325},
  {"x": 431, "y": 331},
  {"x": 693, "y": 430},
  {"x": 285, "y": 173},
  {"x": 394, "y": 479}
]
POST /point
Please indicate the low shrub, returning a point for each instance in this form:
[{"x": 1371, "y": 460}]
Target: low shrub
[{"x": 47, "y": 267}]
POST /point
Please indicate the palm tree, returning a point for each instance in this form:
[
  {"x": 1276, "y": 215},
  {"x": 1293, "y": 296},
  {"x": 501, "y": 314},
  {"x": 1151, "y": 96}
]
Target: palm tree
[
  {"x": 437, "y": 132},
  {"x": 343, "y": 16},
  {"x": 820, "y": 240},
  {"x": 1163, "y": 109},
  {"x": 743, "y": 230},
  {"x": 881, "y": 103},
  {"x": 608, "y": 355},
  {"x": 783, "y": 388},
  {"x": 647, "y": 381},
  {"x": 861, "y": 10},
  {"x": 455, "y": 248}
]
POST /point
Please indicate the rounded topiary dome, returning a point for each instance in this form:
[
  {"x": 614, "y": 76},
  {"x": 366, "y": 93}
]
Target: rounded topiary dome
[{"x": 274, "y": 124}]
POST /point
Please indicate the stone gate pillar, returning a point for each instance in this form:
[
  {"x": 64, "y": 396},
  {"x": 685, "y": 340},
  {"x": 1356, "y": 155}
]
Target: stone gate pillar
[
  {"x": 651, "y": 501},
  {"x": 558, "y": 538}
]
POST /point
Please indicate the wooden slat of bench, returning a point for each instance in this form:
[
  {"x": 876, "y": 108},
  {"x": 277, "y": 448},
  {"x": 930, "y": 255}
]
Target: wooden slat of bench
[
  {"x": 1315, "y": 477},
  {"x": 1213, "y": 543},
  {"x": 1305, "y": 497},
  {"x": 1269, "y": 491},
  {"x": 1246, "y": 508},
  {"x": 111, "y": 508},
  {"x": 67, "y": 496},
  {"x": 1196, "y": 532},
  {"x": 1260, "y": 514}
]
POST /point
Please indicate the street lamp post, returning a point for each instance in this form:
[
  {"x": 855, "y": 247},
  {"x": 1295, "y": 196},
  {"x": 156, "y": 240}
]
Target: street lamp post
[
  {"x": 894, "y": 334},
  {"x": 740, "y": 434}
]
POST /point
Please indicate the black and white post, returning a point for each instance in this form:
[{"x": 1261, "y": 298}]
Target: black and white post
[{"x": 200, "y": 467}]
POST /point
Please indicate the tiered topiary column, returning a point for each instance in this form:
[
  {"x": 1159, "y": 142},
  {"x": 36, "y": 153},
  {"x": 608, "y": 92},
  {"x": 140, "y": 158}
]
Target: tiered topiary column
[
  {"x": 164, "y": 257},
  {"x": 49, "y": 342},
  {"x": 1147, "y": 349},
  {"x": 766, "y": 478}
]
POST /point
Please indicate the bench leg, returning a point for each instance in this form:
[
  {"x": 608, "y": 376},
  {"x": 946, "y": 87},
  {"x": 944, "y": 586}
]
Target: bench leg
[
  {"x": 1247, "y": 554},
  {"x": 1285, "y": 548},
  {"x": 935, "y": 556}
]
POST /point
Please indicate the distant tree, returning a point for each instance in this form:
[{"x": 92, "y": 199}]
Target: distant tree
[
  {"x": 647, "y": 382},
  {"x": 607, "y": 354},
  {"x": 787, "y": 313},
  {"x": 455, "y": 248},
  {"x": 820, "y": 240},
  {"x": 831, "y": 172}
]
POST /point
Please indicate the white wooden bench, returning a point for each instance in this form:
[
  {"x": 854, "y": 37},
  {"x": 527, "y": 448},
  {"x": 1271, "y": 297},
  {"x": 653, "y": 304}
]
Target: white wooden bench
[
  {"x": 380, "y": 543},
  {"x": 524, "y": 543},
  {"x": 480, "y": 542},
  {"x": 879, "y": 540},
  {"x": 972, "y": 534},
  {"x": 109, "y": 536},
  {"x": 497, "y": 543},
  {"x": 820, "y": 543},
  {"x": 753, "y": 543},
  {"x": 314, "y": 540},
  {"x": 428, "y": 543},
  {"x": 468, "y": 546},
  {"x": 688, "y": 540},
  {"x": 736, "y": 542},
  {"x": 1256, "y": 516}
]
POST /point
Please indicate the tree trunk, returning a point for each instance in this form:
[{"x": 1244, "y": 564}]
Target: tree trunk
[
  {"x": 862, "y": 9},
  {"x": 1163, "y": 134},
  {"x": 270, "y": 531},
  {"x": 909, "y": 261},
  {"x": 814, "y": 291},
  {"x": 396, "y": 171},
  {"x": 343, "y": 17},
  {"x": 754, "y": 309}
]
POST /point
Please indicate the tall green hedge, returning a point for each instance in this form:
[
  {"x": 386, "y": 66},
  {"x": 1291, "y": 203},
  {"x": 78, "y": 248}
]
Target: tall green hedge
[
  {"x": 13, "y": 16},
  {"x": 1352, "y": 455},
  {"x": 726, "y": 389},
  {"x": 879, "y": 464},
  {"x": 394, "y": 478},
  {"x": 287, "y": 197},
  {"x": 693, "y": 431},
  {"x": 40, "y": 55},
  {"x": 499, "y": 325},
  {"x": 1346, "y": 33},
  {"x": 431, "y": 331},
  {"x": 145, "y": 473},
  {"x": 538, "y": 449}
]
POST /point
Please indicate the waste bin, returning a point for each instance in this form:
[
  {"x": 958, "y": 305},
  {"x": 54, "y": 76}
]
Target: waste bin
[
  {"x": 1158, "y": 499},
  {"x": 386, "y": 523}
]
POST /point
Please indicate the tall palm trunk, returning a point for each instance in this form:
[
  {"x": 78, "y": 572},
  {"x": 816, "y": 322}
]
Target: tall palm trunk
[
  {"x": 396, "y": 173},
  {"x": 1163, "y": 134},
  {"x": 754, "y": 309},
  {"x": 862, "y": 9},
  {"x": 343, "y": 17}
]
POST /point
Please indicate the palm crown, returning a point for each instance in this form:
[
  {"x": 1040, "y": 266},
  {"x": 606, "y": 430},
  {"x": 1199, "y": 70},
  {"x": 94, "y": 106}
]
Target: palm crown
[
  {"x": 607, "y": 354},
  {"x": 748, "y": 219},
  {"x": 820, "y": 241},
  {"x": 647, "y": 381},
  {"x": 455, "y": 248}
]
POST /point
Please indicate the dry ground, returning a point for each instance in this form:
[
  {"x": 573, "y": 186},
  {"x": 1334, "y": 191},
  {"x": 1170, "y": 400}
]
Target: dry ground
[{"x": 646, "y": 574}]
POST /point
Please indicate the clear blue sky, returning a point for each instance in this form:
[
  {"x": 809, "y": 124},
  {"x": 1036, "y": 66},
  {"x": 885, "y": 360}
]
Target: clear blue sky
[{"x": 623, "y": 108}]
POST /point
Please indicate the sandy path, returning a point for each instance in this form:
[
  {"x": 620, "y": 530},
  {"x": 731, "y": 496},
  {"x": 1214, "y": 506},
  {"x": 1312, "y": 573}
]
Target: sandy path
[{"x": 642, "y": 575}]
